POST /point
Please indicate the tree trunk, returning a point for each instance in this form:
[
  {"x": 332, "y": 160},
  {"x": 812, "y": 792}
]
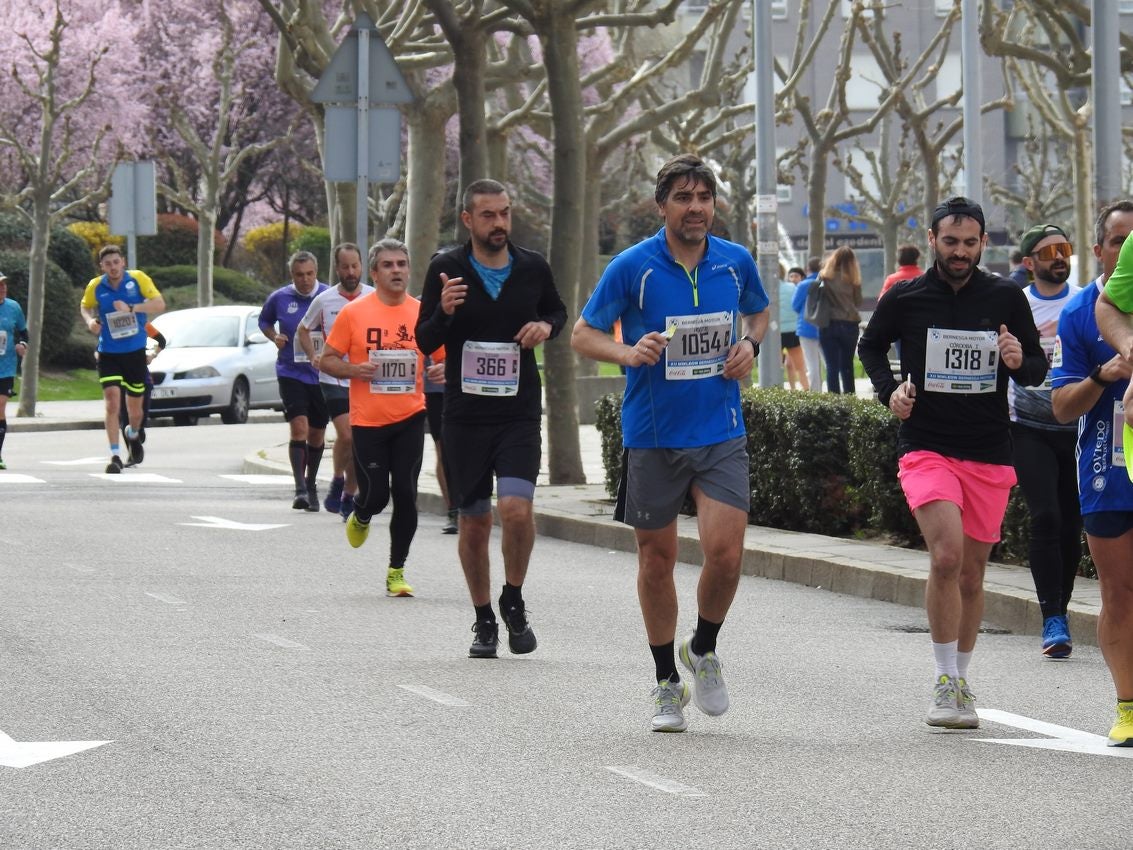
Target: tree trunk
[
  {"x": 426, "y": 148},
  {"x": 560, "y": 54},
  {"x": 816, "y": 201},
  {"x": 37, "y": 286},
  {"x": 468, "y": 79},
  {"x": 206, "y": 251},
  {"x": 588, "y": 273},
  {"x": 1083, "y": 203}
]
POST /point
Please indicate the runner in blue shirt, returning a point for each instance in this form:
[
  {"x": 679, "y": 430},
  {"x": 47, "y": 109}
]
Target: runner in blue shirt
[{"x": 692, "y": 311}]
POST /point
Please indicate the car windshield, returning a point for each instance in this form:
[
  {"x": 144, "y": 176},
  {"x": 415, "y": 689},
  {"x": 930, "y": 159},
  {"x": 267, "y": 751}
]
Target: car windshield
[{"x": 201, "y": 331}]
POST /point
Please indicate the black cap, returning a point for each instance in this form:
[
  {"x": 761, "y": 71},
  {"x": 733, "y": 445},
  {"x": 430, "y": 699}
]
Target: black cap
[{"x": 959, "y": 205}]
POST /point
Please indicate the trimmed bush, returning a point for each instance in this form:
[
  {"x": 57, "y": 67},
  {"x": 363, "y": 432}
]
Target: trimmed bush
[
  {"x": 317, "y": 241},
  {"x": 175, "y": 243},
  {"x": 67, "y": 251},
  {"x": 228, "y": 287},
  {"x": 96, "y": 234},
  {"x": 60, "y": 305},
  {"x": 268, "y": 251}
]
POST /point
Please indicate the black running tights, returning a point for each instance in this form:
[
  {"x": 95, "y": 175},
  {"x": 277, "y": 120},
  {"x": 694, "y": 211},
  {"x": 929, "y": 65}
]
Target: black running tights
[{"x": 387, "y": 461}]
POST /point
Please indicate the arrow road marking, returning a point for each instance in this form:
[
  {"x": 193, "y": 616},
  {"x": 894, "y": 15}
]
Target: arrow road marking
[
  {"x": 17, "y": 478},
  {"x": 1062, "y": 738},
  {"x": 669, "y": 786},
  {"x": 26, "y": 753},
  {"x": 282, "y": 641},
  {"x": 434, "y": 695},
  {"x": 231, "y": 524}
]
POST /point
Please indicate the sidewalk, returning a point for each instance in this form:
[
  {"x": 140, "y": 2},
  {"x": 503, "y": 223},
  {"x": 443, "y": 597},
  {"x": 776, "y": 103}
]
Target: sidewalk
[{"x": 582, "y": 514}]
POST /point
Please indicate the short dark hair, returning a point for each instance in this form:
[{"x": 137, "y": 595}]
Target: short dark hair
[
  {"x": 907, "y": 255},
  {"x": 1016, "y": 256},
  {"x": 110, "y": 249},
  {"x": 795, "y": 270},
  {"x": 684, "y": 167},
  {"x": 814, "y": 265},
  {"x": 960, "y": 207},
  {"x": 346, "y": 246},
  {"x": 1103, "y": 218},
  {"x": 486, "y": 186}
]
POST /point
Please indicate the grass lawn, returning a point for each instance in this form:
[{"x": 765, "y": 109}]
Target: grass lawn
[{"x": 73, "y": 385}]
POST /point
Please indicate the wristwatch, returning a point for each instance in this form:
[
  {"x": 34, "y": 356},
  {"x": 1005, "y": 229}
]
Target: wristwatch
[
  {"x": 754, "y": 346},
  {"x": 1096, "y": 377}
]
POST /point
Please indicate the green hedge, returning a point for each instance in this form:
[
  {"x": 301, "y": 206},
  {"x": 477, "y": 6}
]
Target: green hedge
[
  {"x": 317, "y": 241},
  {"x": 60, "y": 304},
  {"x": 825, "y": 464},
  {"x": 66, "y": 250},
  {"x": 229, "y": 287}
]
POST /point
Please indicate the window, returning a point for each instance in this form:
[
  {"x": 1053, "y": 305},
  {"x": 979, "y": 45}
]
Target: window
[
  {"x": 863, "y": 89},
  {"x": 1126, "y": 93},
  {"x": 951, "y": 75},
  {"x": 784, "y": 193},
  {"x": 1124, "y": 7},
  {"x": 779, "y": 9},
  {"x": 943, "y": 7},
  {"x": 859, "y": 161},
  {"x": 848, "y": 8}
]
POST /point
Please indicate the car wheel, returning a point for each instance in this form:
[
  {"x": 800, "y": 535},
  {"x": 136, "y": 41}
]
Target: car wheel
[
  {"x": 185, "y": 419},
  {"x": 237, "y": 411}
]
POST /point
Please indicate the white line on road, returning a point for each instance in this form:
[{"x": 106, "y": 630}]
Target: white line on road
[
  {"x": 26, "y": 753},
  {"x": 434, "y": 695},
  {"x": 231, "y": 524},
  {"x": 80, "y": 569},
  {"x": 166, "y": 598},
  {"x": 261, "y": 479},
  {"x": 17, "y": 478},
  {"x": 1063, "y": 738},
  {"x": 136, "y": 477},
  {"x": 85, "y": 461},
  {"x": 282, "y": 641},
  {"x": 669, "y": 786}
]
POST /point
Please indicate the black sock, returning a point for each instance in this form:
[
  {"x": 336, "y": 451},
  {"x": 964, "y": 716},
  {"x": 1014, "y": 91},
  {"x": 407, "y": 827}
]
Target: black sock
[
  {"x": 3, "y": 431},
  {"x": 511, "y": 597},
  {"x": 314, "y": 458},
  {"x": 665, "y": 661},
  {"x": 297, "y": 454},
  {"x": 484, "y": 613},
  {"x": 704, "y": 638}
]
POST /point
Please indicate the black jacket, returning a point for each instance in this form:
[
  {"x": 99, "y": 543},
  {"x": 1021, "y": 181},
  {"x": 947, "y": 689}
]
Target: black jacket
[
  {"x": 968, "y": 427},
  {"x": 527, "y": 295}
]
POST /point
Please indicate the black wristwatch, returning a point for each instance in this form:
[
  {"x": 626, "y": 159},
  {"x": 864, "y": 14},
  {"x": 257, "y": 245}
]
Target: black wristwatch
[
  {"x": 1096, "y": 377},
  {"x": 754, "y": 346}
]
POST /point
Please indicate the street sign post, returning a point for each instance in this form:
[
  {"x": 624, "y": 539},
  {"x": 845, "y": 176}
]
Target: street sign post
[
  {"x": 363, "y": 135},
  {"x": 132, "y": 208}
]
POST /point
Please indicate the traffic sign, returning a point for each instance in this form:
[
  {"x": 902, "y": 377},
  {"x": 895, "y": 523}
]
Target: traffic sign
[{"x": 339, "y": 81}]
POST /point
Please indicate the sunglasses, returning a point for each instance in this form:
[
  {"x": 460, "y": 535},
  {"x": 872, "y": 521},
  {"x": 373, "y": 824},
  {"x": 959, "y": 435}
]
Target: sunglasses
[{"x": 1050, "y": 252}]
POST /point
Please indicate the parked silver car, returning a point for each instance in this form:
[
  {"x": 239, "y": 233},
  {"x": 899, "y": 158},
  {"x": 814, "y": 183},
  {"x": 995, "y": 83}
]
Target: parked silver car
[{"x": 216, "y": 361}]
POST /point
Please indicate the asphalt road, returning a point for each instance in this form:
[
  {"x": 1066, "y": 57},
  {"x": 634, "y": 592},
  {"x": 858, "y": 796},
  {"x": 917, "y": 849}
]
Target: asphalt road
[{"x": 256, "y": 689}]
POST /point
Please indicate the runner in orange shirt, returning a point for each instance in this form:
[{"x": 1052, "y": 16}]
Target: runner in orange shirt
[{"x": 387, "y": 402}]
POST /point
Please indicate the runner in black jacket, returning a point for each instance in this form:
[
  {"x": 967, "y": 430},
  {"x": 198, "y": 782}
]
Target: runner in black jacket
[
  {"x": 490, "y": 302},
  {"x": 962, "y": 332}
]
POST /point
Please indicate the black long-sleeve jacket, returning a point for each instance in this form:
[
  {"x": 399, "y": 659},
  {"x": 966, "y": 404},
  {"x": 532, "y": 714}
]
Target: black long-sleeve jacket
[
  {"x": 528, "y": 295},
  {"x": 965, "y": 426}
]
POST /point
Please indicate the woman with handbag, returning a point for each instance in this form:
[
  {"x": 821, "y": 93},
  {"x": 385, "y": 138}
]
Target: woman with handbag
[{"x": 841, "y": 281}]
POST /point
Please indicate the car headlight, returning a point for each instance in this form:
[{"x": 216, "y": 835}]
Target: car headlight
[{"x": 199, "y": 372}]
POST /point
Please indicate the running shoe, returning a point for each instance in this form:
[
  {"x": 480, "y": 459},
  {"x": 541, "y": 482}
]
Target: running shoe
[
  {"x": 396, "y": 585},
  {"x": 709, "y": 691},
  {"x": 301, "y": 500},
  {"x": 966, "y": 706},
  {"x": 1121, "y": 735},
  {"x": 356, "y": 530},
  {"x": 136, "y": 454},
  {"x": 669, "y": 701},
  {"x": 347, "y": 507},
  {"x": 485, "y": 640},
  {"x": 1056, "y": 637},
  {"x": 450, "y": 527},
  {"x": 2, "y": 464},
  {"x": 115, "y": 465},
  {"x": 944, "y": 710},
  {"x": 333, "y": 501},
  {"x": 520, "y": 637},
  {"x": 312, "y": 497}
]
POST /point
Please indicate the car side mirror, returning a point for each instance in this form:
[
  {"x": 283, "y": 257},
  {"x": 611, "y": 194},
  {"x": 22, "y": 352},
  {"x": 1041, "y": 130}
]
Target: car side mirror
[{"x": 256, "y": 338}]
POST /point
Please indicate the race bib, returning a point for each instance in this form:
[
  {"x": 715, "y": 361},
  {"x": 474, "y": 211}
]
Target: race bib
[
  {"x": 489, "y": 368},
  {"x": 122, "y": 324},
  {"x": 1052, "y": 348},
  {"x": 1118, "y": 454},
  {"x": 963, "y": 362},
  {"x": 698, "y": 346},
  {"x": 317, "y": 340},
  {"x": 395, "y": 370}
]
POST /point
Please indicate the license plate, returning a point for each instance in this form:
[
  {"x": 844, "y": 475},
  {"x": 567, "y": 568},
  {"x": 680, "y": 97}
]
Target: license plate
[{"x": 159, "y": 392}]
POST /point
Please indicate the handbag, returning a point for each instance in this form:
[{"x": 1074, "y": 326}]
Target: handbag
[{"x": 818, "y": 307}]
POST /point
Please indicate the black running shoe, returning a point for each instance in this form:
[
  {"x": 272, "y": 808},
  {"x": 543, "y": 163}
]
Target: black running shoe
[
  {"x": 487, "y": 638},
  {"x": 301, "y": 503},
  {"x": 115, "y": 465},
  {"x": 520, "y": 638},
  {"x": 450, "y": 527},
  {"x": 136, "y": 453},
  {"x": 312, "y": 498}
]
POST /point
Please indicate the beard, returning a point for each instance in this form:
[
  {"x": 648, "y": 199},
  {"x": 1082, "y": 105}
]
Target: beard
[
  {"x": 349, "y": 283},
  {"x": 954, "y": 272},
  {"x": 1057, "y": 275},
  {"x": 494, "y": 242}
]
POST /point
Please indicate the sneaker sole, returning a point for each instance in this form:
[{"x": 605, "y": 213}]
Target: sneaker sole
[
  {"x": 953, "y": 723},
  {"x": 1058, "y": 650},
  {"x": 680, "y": 728},
  {"x": 1121, "y": 742},
  {"x": 399, "y": 593},
  {"x": 522, "y": 649},
  {"x": 481, "y": 654}
]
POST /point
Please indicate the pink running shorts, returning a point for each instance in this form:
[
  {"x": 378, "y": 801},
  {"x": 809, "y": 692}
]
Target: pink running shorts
[{"x": 980, "y": 490}]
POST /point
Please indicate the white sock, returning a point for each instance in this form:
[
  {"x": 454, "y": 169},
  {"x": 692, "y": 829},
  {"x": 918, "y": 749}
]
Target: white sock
[
  {"x": 945, "y": 656},
  {"x": 963, "y": 659}
]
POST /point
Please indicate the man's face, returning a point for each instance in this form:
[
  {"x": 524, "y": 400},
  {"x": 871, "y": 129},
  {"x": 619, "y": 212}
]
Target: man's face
[
  {"x": 113, "y": 266},
  {"x": 1118, "y": 225},
  {"x": 489, "y": 221},
  {"x": 794, "y": 277},
  {"x": 957, "y": 246},
  {"x": 1054, "y": 270},
  {"x": 688, "y": 211},
  {"x": 348, "y": 268},
  {"x": 390, "y": 272},
  {"x": 304, "y": 277}
]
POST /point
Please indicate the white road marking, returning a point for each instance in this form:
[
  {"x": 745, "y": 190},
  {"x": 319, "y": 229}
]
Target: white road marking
[
  {"x": 261, "y": 479},
  {"x": 231, "y": 524},
  {"x": 80, "y": 569},
  {"x": 85, "y": 461},
  {"x": 1062, "y": 738},
  {"x": 166, "y": 598},
  {"x": 434, "y": 695},
  {"x": 27, "y": 753},
  {"x": 282, "y": 641},
  {"x": 136, "y": 477},
  {"x": 17, "y": 478},
  {"x": 669, "y": 786}
]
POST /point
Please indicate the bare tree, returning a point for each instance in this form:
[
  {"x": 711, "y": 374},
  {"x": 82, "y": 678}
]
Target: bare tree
[{"x": 1042, "y": 174}]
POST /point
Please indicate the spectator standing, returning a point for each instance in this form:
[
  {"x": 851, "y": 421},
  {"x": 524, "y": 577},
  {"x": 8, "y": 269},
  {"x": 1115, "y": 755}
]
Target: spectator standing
[
  {"x": 908, "y": 256},
  {"x": 13, "y": 346},
  {"x": 788, "y": 331},
  {"x": 1019, "y": 274},
  {"x": 808, "y": 333},
  {"x": 842, "y": 277}
]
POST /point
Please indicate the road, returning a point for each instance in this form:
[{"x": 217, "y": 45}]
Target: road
[{"x": 255, "y": 688}]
